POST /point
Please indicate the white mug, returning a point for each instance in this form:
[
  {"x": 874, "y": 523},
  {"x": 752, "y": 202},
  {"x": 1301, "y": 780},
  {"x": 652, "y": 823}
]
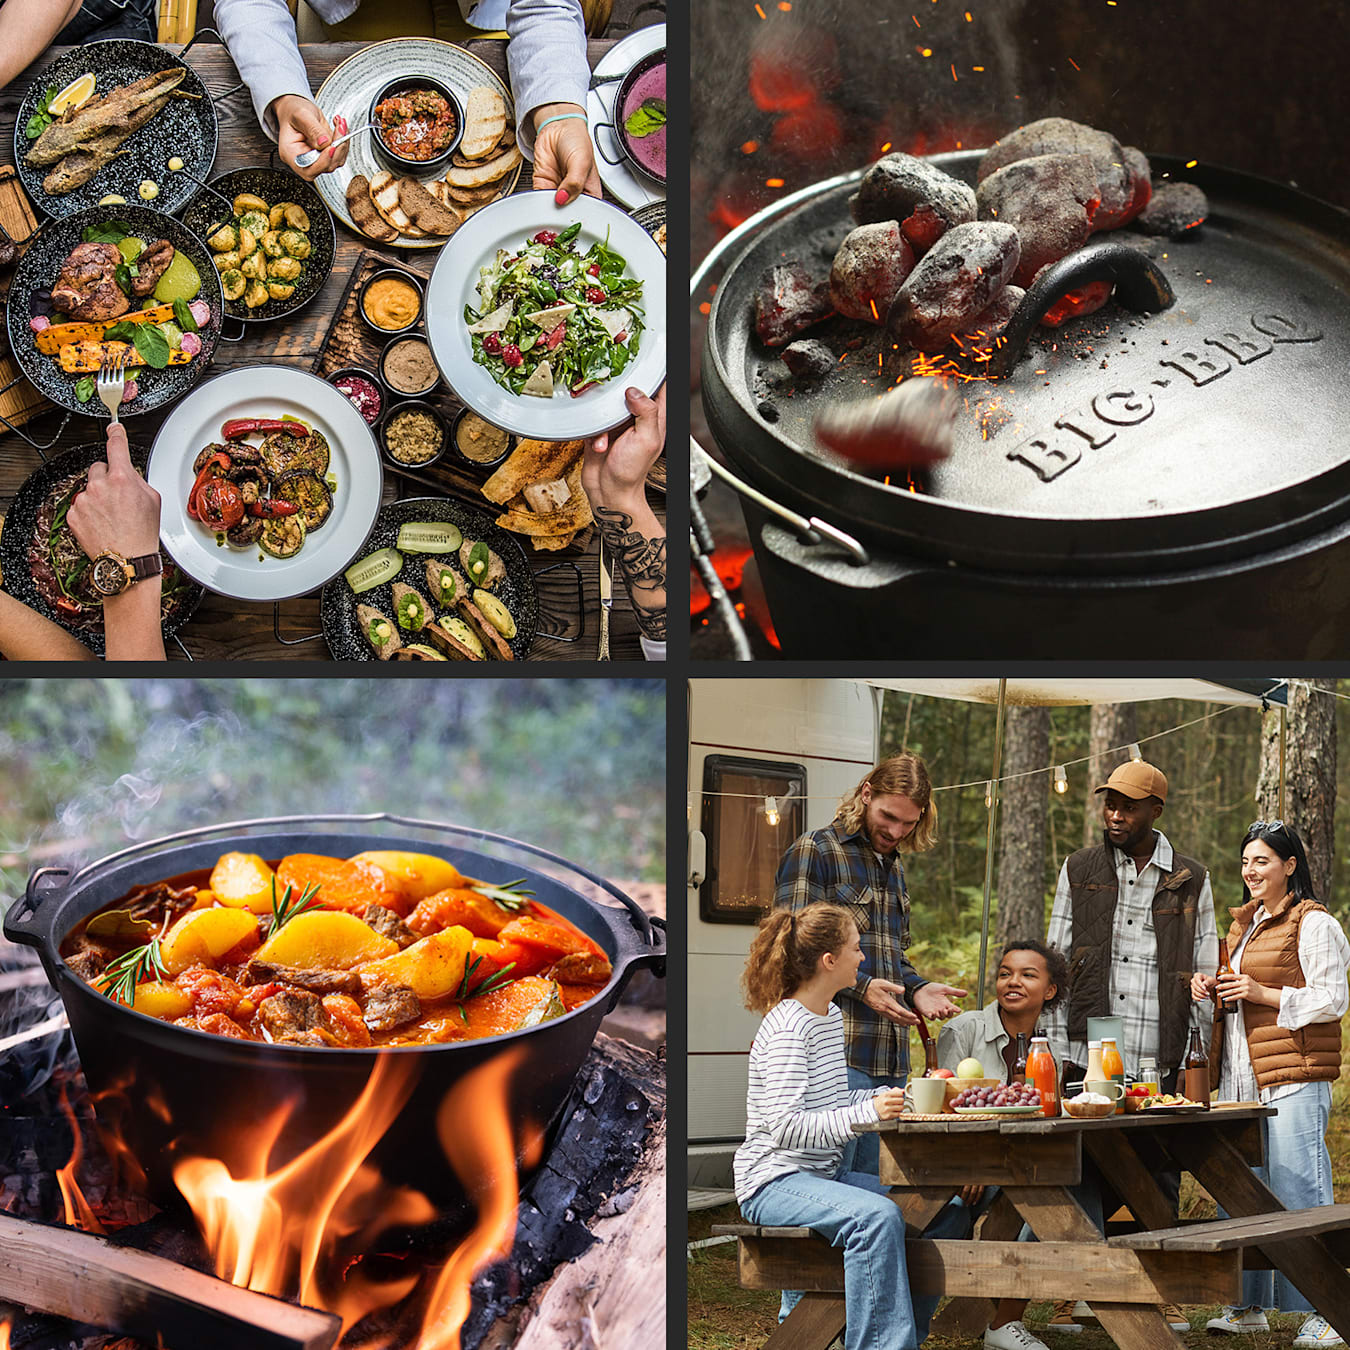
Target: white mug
[
  {"x": 926, "y": 1096},
  {"x": 1107, "y": 1087}
]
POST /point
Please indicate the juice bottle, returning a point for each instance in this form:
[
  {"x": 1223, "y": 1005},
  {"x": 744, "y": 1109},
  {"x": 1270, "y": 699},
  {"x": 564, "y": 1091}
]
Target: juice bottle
[
  {"x": 1041, "y": 1072},
  {"x": 1113, "y": 1067},
  {"x": 1095, "y": 1070}
]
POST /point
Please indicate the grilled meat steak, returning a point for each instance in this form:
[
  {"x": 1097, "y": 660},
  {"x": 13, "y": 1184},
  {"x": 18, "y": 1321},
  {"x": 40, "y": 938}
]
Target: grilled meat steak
[
  {"x": 85, "y": 289},
  {"x": 150, "y": 266}
]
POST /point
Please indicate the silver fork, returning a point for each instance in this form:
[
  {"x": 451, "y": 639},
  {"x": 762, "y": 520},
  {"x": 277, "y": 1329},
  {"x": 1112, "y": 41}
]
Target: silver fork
[{"x": 111, "y": 384}]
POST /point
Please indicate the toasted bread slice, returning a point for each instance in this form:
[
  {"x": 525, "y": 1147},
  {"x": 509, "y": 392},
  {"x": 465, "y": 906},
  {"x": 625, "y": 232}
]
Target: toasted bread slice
[
  {"x": 426, "y": 211},
  {"x": 489, "y": 171},
  {"x": 553, "y": 545},
  {"x": 497, "y": 647},
  {"x": 484, "y": 122},
  {"x": 418, "y": 651},
  {"x": 472, "y": 196},
  {"x": 384, "y": 195},
  {"x": 368, "y": 219},
  {"x": 452, "y": 637}
]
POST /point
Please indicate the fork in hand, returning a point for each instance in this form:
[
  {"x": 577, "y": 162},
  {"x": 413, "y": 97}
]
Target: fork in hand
[{"x": 112, "y": 383}]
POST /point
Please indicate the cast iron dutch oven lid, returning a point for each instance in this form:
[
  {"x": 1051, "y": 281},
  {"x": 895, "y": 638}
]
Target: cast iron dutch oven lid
[{"x": 1206, "y": 431}]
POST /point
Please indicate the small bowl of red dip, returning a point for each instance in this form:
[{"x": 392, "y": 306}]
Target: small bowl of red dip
[
  {"x": 361, "y": 387},
  {"x": 419, "y": 123}
]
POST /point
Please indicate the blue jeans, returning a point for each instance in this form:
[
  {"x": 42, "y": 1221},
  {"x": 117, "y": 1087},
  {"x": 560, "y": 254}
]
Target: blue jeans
[
  {"x": 853, "y": 1212},
  {"x": 864, "y": 1153},
  {"x": 1298, "y": 1170}
]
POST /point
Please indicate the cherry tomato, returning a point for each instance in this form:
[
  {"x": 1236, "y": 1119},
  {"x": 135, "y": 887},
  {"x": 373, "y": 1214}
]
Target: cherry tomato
[
  {"x": 594, "y": 269},
  {"x": 545, "y": 237},
  {"x": 595, "y": 295}
]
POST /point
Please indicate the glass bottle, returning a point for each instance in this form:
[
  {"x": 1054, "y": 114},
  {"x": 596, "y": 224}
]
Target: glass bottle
[
  {"x": 1225, "y": 968},
  {"x": 1096, "y": 1073},
  {"x": 1113, "y": 1067},
  {"x": 1197, "y": 1069},
  {"x": 1148, "y": 1075},
  {"x": 1019, "y": 1072},
  {"x": 1042, "y": 1073},
  {"x": 930, "y": 1058}
]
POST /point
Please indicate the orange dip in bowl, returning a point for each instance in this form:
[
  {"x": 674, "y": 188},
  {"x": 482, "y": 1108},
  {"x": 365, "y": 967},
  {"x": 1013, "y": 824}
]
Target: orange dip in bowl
[{"x": 391, "y": 304}]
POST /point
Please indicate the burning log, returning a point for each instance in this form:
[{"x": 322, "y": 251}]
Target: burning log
[
  {"x": 1059, "y": 136},
  {"x": 869, "y": 268},
  {"x": 809, "y": 359},
  {"x": 76, "y": 1275},
  {"x": 953, "y": 284},
  {"x": 1050, "y": 199},
  {"x": 909, "y": 427},
  {"x": 1176, "y": 210},
  {"x": 925, "y": 201},
  {"x": 788, "y": 302}
]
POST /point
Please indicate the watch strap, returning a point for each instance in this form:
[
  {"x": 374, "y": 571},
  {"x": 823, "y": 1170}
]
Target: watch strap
[{"x": 147, "y": 565}]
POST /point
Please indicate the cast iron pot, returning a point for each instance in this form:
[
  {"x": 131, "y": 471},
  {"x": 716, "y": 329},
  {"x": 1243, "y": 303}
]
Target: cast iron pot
[
  {"x": 171, "y": 1091},
  {"x": 621, "y": 134}
]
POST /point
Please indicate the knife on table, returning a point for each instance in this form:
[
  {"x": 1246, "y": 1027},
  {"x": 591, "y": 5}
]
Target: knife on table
[{"x": 606, "y": 602}]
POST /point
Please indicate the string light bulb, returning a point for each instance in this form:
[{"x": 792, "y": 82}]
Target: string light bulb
[
  {"x": 989, "y": 795},
  {"x": 1061, "y": 780},
  {"x": 771, "y": 810},
  {"x": 1136, "y": 754}
]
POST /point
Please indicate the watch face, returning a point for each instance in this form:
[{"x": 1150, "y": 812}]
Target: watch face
[{"x": 108, "y": 575}]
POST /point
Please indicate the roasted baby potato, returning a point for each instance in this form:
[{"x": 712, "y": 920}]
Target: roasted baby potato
[
  {"x": 226, "y": 262},
  {"x": 227, "y": 237},
  {"x": 256, "y": 295},
  {"x": 254, "y": 265},
  {"x": 295, "y": 243},
  {"x": 248, "y": 201},
  {"x": 255, "y": 222},
  {"x": 284, "y": 269},
  {"x": 271, "y": 244},
  {"x": 296, "y": 216},
  {"x": 233, "y": 283},
  {"x": 248, "y": 240},
  {"x": 279, "y": 290}
]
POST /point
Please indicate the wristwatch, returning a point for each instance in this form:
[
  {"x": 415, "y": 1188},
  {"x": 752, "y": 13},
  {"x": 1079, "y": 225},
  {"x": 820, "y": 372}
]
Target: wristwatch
[{"x": 112, "y": 574}]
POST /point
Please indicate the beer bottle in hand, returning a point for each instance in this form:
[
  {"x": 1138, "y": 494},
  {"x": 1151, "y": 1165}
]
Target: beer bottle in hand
[
  {"x": 1019, "y": 1073},
  {"x": 1197, "y": 1069},
  {"x": 1225, "y": 968}
]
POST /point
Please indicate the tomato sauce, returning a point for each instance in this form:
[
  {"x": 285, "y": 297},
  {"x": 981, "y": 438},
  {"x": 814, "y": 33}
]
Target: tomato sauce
[{"x": 417, "y": 124}]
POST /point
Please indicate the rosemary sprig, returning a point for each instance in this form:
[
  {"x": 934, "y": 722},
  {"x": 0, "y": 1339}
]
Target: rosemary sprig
[
  {"x": 511, "y": 896},
  {"x": 120, "y": 977},
  {"x": 493, "y": 981},
  {"x": 284, "y": 910}
]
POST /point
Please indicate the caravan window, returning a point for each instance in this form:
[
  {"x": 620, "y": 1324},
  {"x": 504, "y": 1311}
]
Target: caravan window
[{"x": 744, "y": 848}]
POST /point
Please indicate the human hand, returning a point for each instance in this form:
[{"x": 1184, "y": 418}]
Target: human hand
[
  {"x": 1242, "y": 988},
  {"x": 971, "y": 1196},
  {"x": 935, "y": 1001},
  {"x": 300, "y": 127},
  {"x": 884, "y": 997},
  {"x": 564, "y": 157},
  {"x": 614, "y": 470},
  {"x": 119, "y": 510},
  {"x": 1202, "y": 986},
  {"x": 890, "y": 1103}
]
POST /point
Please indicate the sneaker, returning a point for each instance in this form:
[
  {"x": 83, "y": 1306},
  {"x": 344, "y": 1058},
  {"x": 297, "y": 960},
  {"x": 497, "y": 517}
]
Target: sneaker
[
  {"x": 1011, "y": 1336},
  {"x": 1238, "y": 1319},
  {"x": 1176, "y": 1319},
  {"x": 1317, "y": 1331},
  {"x": 1067, "y": 1316}
]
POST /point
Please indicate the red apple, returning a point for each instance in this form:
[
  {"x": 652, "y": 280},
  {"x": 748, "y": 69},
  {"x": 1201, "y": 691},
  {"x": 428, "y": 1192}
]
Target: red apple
[{"x": 943, "y": 1073}]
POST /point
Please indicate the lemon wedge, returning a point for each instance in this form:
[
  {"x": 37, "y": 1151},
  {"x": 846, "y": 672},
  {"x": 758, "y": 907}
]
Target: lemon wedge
[{"x": 74, "y": 95}]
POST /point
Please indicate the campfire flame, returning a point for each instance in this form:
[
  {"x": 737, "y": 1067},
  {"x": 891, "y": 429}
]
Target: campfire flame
[
  {"x": 4, "y": 1335},
  {"x": 78, "y": 1212}
]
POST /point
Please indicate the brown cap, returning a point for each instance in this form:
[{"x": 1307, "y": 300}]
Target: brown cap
[{"x": 1136, "y": 779}]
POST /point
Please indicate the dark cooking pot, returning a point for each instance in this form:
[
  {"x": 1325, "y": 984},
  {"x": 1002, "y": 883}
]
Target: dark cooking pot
[{"x": 171, "y": 1091}]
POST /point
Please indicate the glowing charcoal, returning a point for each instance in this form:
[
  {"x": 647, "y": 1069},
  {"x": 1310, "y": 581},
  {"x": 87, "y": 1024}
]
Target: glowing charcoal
[
  {"x": 983, "y": 334},
  {"x": 907, "y": 427},
  {"x": 787, "y": 303},
  {"x": 925, "y": 201},
  {"x": 808, "y": 359},
  {"x": 870, "y": 267},
  {"x": 1050, "y": 200},
  {"x": 953, "y": 284},
  {"x": 1141, "y": 174},
  {"x": 1075, "y": 304},
  {"x": 1176, "y": 209}
]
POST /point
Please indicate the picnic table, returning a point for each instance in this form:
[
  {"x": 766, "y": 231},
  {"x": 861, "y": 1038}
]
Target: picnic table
[
  {"x": 1034, "y": 1162},
  {"x": 224, "y": 628}
]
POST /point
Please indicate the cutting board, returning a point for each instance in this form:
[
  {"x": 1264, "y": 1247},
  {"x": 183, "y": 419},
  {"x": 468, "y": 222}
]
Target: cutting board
[{"x": 23, "y": 402}]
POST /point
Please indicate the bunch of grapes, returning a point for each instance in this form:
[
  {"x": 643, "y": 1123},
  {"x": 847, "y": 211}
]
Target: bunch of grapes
[{"x": 1009, "y": 1094}]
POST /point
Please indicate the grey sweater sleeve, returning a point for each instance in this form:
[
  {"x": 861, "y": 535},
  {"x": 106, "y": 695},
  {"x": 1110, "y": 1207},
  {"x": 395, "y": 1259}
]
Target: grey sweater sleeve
[
  {"x": 260, "y": 35},
  {"x": 547, "y": 59}
]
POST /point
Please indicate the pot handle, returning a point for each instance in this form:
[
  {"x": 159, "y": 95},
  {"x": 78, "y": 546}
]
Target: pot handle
[
  {"x": 21, "y": 918},
  {"x": 1140, "y": 285},
  {"x": 654, "y": 960}
]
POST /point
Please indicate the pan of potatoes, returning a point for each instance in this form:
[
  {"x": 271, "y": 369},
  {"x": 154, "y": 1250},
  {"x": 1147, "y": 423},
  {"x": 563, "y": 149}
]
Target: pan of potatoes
[{"x": 271, "y": 238}]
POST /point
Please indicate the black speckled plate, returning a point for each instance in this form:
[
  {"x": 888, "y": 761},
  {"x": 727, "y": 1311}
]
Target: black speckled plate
[
  {"x": 185, "y": 127},
  {"x": 21, "y": 520},
  {"x": 516, "y": 590},
  {"x": 273, "y": 186},
  {"x": 38, "y": 270}
]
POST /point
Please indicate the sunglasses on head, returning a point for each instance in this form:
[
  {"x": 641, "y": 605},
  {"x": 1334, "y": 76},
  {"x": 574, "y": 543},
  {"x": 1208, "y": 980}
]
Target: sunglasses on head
[{"x": 1269, "y": 826}]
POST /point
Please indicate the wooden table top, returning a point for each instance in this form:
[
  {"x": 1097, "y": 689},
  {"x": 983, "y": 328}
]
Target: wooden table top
[
  {"x": 224, "y": 628},
  {"x": 1039, "y": 1125}
]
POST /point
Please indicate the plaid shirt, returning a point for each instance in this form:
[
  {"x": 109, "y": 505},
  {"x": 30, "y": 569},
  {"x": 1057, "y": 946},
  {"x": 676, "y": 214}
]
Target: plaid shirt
[
  {"x": 1133, "y": 994},
  {"x": 845, "y": 870}
]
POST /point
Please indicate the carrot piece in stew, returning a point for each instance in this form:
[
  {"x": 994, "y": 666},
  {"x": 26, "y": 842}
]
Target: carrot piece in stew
[
  {"x": 342, "y": 884},
  {"x": 484, "y": 918},
  {"x": 541, "y": 943},
  {"x": 520, "y": 1003}
]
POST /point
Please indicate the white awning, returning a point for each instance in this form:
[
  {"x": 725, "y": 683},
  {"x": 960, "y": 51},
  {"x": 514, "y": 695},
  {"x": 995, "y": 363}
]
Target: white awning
[{"x": 1066, "y": 692}]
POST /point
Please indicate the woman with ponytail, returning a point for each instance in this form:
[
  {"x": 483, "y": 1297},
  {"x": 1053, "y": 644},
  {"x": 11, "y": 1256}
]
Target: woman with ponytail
[{"x": 800, "y": 1114}]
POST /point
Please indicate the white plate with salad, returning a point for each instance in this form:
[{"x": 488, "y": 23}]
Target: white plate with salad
[
  {"x": 353, "y": 475},
  {"x": 540, "y": 316}
]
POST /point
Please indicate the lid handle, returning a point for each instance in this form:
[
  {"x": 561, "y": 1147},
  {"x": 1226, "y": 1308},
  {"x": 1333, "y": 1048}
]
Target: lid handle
[{"x": 1140, "y": 285}]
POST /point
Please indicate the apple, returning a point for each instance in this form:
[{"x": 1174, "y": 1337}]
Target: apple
[
  {"x": 970, "y": 1068},
  {"x": 943, "y": 1073}
]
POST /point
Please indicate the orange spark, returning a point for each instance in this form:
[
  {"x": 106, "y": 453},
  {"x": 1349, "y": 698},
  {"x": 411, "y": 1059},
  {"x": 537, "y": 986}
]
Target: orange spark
[
  {"x": 873, "y": 305},
  {"x": 924, "y": 51},
  {"x": 968, "y": 18},
  {"x": 1073, "y": 63},
  {"x": 784, "y": 6},
  {"x": 979, "y": 69},
  {"x": 760, "y": 11},
  {"x": 917, "y": 24},
  {"x": 953, "y": 72},
  {"x": 749, "y": 147},
  {"x": 774, "y": 182},
  {"x": 705, "y": 308},
  {"x": 885, "y": 147},
  {"x": 1191, "y": 163}
]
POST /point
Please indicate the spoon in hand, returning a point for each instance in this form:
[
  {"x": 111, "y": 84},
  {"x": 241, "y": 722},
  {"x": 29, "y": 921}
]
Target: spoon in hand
[{"x": 303, "y": 161}]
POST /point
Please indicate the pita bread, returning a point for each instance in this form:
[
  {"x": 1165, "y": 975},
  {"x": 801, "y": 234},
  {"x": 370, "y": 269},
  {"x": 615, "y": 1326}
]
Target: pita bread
[
  {"x": 574, "y": 515},
  {"x": 484, "y": 122},
  {"x": 531, "y": 462}
]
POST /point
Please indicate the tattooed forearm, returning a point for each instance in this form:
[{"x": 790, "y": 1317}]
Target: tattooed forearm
[{"x": 642, "y": 561}]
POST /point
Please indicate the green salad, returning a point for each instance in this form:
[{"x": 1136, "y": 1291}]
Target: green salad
[{"x": 550, "y": 317}]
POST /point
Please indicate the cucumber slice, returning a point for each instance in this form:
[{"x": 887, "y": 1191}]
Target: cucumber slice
[
  {"x": 428, "y": 536},
  {"x": 374, "y": 570}
]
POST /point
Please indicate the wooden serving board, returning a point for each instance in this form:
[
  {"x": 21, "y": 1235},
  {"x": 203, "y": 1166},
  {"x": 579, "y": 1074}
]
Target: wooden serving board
[{"x": 22, "y": 403}]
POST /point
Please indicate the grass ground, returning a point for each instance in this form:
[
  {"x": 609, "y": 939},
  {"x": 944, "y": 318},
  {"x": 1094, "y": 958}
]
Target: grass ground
[{"x": 723, "y": 1316}]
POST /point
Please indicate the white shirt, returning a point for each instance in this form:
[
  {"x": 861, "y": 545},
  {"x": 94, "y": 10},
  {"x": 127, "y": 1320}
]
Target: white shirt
[
  {"x": 1324, "y": 956},
  {"x": 799, "y": 1109},
  {"x": 1133, "y": 991}
]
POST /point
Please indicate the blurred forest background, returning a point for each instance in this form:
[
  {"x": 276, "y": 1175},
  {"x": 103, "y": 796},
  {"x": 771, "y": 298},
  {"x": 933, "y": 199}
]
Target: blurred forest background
[{"x": 575, "y": 766}]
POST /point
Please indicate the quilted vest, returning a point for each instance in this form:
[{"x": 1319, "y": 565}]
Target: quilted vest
[
  {"x": 1311, "y": 1053},
  {"x": 1092, "y": 892}
]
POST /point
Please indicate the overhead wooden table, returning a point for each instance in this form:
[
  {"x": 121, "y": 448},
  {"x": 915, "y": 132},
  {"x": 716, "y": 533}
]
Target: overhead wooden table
[
  {"x": 223, "y": 628},
  {"x": 1035, "y": 1162}
]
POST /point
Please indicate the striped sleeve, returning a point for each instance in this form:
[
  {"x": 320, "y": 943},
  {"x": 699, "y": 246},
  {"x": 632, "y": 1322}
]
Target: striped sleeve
[{"x": 787, "y": 1088}]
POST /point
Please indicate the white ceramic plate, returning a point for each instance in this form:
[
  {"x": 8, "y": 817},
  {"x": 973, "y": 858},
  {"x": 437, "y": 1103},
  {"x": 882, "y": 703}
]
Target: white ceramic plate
[
  {"x": 266, "y": 391},
  {"x": 350, "y": 88},
  {"x": 629, "y": 184},
  {"x": 454, "y": 283}
]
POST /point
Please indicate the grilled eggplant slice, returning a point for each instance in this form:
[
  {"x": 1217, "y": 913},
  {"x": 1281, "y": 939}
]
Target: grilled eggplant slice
[{"x": 309, "y": 493}]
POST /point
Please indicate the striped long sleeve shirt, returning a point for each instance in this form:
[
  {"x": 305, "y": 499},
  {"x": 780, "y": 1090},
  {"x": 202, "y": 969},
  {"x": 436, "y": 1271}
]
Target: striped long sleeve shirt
[{"x": 799, "y": 1111}]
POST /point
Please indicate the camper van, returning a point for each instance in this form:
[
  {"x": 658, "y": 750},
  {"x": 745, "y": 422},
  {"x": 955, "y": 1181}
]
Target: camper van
[{"x": 768, "y": 760}]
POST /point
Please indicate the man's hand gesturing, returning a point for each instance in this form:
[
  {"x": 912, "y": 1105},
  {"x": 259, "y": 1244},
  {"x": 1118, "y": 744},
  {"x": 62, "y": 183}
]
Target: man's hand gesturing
[
  {"x": 935, "y": 1001},
  {"x": 884, "y": 997}
]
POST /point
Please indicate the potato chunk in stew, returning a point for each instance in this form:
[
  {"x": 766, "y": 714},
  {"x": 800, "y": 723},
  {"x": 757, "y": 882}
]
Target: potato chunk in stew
[
  {"x": 320, "y": 940},
  {"x": 205, "y": 935}
]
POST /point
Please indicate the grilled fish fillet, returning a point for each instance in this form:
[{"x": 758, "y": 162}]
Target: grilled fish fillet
[{"x": 120, "y": 112}]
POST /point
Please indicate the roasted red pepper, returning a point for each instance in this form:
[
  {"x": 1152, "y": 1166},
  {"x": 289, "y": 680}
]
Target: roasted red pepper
[
  {"x": 215, "y": 467},
  {"x": 579, "y": 389},
  {"x": 72, "y": 609},
  {"x": 272, "y": 509},
  {"x": 219, "y": 504},
  {"x": 261, "y": 426}
]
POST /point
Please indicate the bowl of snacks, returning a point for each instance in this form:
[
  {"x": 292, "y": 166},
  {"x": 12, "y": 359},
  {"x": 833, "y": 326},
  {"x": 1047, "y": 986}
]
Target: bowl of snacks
[
  {"x": 390, "y": 301},
  {"x": 418, "y": 124},
  {"x": 1088, "y": 1106},
  {"x": 408, "y": 367},
  {"x": 478, "y": 443},
  {"x": 362, "y": 389},
  {"x": 413, "y": 435}
]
